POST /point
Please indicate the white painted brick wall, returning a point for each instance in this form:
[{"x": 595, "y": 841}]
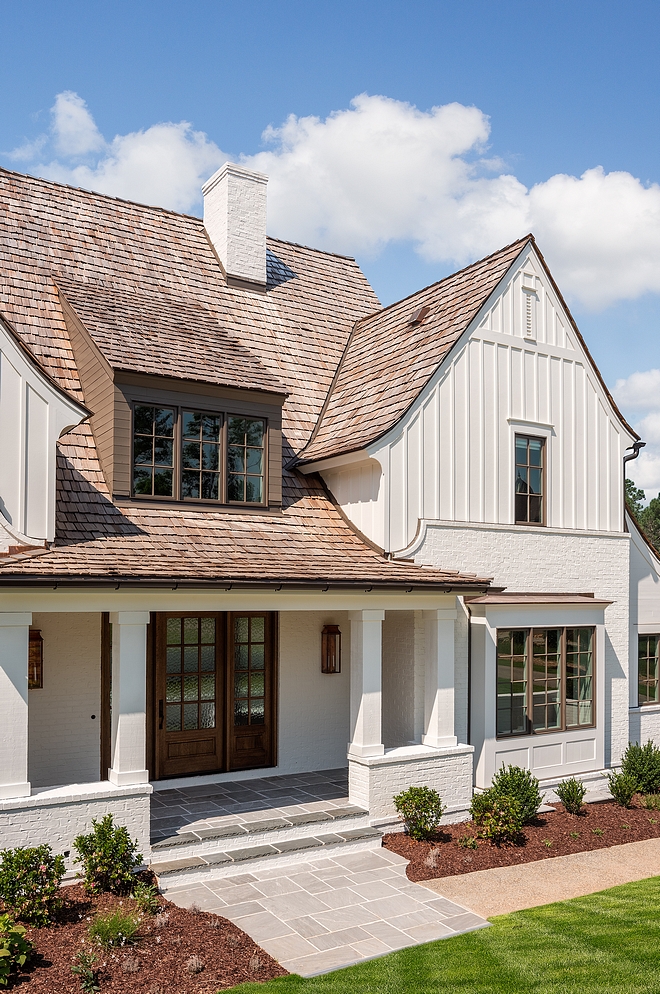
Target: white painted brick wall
[
  {"x": 373, "y": 782},
  {"x": 235, "y": 219},
  {"x": 552, "y": 560},
  {"x": 64, "y": 740},
  {"x": 398, "y": 678},
  {"x": 645, "y": 724},
  {"x": 313, "y": 706},
  {"x": 56, "y": 821}
]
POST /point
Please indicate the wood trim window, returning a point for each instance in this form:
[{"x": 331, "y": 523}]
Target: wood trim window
[
  {"x": 545, "y": 680},
  {"x": 648, "y": 653},
  {"x": 194, "y": 455},
  {"x": 530, "y": 480}
]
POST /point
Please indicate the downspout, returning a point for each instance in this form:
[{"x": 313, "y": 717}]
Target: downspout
[
  {"x": 636, "y": 446},
  {"x": 469, "y": 671}
]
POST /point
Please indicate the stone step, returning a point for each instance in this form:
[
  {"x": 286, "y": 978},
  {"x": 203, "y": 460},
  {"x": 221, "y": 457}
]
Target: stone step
[
  {"x": 267, "y": 831},
  {"x": 228, "y": 862}
]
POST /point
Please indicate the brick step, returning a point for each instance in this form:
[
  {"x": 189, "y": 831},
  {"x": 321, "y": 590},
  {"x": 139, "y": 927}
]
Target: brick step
[
  {"x": 226, "y": 863},
  {"x": 267, "y": 831}
]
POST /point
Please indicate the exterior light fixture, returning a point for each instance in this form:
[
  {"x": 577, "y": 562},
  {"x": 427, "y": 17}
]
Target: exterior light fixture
[
  {"x": 35, "y": 660},
  {"x": 331, "y": 649}
]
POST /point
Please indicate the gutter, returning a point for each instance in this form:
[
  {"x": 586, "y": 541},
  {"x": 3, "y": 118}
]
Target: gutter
[{"x": 68, "y": 582}]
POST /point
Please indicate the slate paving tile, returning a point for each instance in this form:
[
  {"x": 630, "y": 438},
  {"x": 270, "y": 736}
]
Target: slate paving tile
[
  {"x": 345, "y": 937},
  {"x": 293, "y": 845},
  {"x": 341, "y": 897},
  {"x": 429, "y": 932},
  {"x": 390, "y": 907},
  {"x": 307, "y": 927},
  {"x": 288, "y": 947},
  {"x": 288, "y": 906},
  {"x": 278, "y": 886},
  {"x": 234, "y": 911},
  {"x": 263, "y": 925},
  {"x": 461, "y": 923},
  {"x": 253, "y": 852},
  {"x": 323, "y": 962},
  {"x": 391, "y": 936},
  {"x": 220, "y": 832},
  {"x": 338, "y": 918}
]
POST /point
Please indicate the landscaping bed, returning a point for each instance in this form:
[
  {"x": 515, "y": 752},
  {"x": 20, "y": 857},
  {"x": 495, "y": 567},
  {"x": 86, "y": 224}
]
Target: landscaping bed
[
  {"x": 167, "y": 949},
  {"x": 555, "y": 833}
]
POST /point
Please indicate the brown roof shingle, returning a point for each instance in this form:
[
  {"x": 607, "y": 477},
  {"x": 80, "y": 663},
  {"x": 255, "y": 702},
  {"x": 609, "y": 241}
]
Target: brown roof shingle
[{"x": 389, "y": 360}]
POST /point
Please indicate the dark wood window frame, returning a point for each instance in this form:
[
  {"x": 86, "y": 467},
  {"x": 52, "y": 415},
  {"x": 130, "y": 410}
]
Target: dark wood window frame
[
  {"x": 543, "y": 495},
  {"x": 224, "y": 415},
  {"x": 645, "y": 668},
  {"x": 529, "y": 680}
]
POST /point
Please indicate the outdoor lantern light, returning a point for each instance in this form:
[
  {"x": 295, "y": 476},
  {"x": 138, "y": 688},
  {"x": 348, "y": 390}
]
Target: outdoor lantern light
[
  {"x": 331, "y": 649},
  {"x": 36, "y": 661}
]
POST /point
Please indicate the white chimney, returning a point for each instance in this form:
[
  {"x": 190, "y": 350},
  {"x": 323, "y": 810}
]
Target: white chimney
[{"x": 235, "y": 221}]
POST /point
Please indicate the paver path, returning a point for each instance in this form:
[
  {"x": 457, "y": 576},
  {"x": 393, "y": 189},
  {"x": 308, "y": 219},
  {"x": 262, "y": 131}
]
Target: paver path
[
  {"x": 513, "y": 888},
  {"x": 325, "y": 914}
]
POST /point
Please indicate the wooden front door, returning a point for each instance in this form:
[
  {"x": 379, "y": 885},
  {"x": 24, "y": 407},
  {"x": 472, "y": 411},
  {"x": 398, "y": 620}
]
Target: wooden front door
[{"x": 215, "y": 692}]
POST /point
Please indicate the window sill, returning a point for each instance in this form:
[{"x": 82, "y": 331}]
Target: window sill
[
  {"x": 173, "y": 503},
  {"x": 652, "y": 708}
]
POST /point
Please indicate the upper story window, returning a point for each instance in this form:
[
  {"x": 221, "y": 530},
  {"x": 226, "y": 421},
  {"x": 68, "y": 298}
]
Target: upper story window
[
  {"x": 649, "y": 647},
  {"x": 530, "y": 481},
  {"x": 198, "y": 455},
  {"x": 545, "y": 680}
]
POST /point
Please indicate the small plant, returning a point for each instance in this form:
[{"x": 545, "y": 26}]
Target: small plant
[
  {"x": 598, "y": 831},
  {"x": 623, "y": 788},
  {"x": 547, "y": 843},
  {"x": 520, "y": 786},
  {"x": 500, "y": 819},
  {"x": 114, "y": 928},
  {"x": 146, "y": 897},
  {"x": 625, "y": 826},
  {"x": 652, "y": 802},
  {"x": 130, "y": 965},
  {"x": 15, "y": 950},
  {"x": 194, "y": 965},
  {"x": 571, "y": 794},
  {"x": 468, "y": 842},
  {"x": 653, "y": 821},
  {"x": 108, "y": 857},
  {"x": 574, "y": 835},
  {"x": 30, "y": 883},
  {"x": 642, "y": 763},
  {"x": 421, "y": 810},
  {"x": 84, "y": 968}
]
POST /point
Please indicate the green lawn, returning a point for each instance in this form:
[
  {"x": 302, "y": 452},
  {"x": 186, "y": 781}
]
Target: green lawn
[{"x": 607, "y": 942}]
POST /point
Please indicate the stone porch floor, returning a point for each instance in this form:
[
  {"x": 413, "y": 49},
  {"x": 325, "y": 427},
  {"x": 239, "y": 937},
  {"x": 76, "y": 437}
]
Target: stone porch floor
[
  {"x": 266, "y": 799},
  {"x": 325, "y": 914}
]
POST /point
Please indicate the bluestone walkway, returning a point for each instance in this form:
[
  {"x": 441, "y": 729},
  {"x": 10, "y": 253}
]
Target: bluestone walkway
[{"x": 325, "y": 914}]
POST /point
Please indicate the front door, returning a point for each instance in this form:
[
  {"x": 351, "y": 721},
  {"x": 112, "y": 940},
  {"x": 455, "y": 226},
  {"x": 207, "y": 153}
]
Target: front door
[{"x": 215, "y": 692}]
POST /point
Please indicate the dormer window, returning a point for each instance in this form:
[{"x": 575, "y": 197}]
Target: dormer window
[{"x": 180, "y": 453}]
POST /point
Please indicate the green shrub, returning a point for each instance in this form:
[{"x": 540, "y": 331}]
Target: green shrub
[
  {"x": 571, "y": 794},
  {"x": 623, "y": 787},
  {"x": 30, "y": 883},
  {"x": 114, "y": 928},
  {"x": 500, "y": 819},
  {"x": 146, "y": 897},
  {"x": 468, "y": 842},
  {"x": 521, "y": 786},
  {"x": 108, "y": 857},
  {"x": 480, "y": 805},
  {"x": 652, "y": 802},
  {"x": 85, "y": 968},
  {"x": 643, "y": 764},
  {"x": 15, "y": 950},
  {"x": 421, "y": 810}
]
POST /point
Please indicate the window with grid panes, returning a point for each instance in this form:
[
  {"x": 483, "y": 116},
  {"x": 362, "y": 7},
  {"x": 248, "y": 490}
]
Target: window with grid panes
[
  {"x": 200, "y": 455},
  {"x": 191, "y": 674},
  {"x": 648, "y": 652},
  {"x": 249, "y": 670},
  {"x": 245, "y": 460},
  {"x": 529, "y": 496},
  {"x": 153, "y": 451},
  {"x": 544, "y": 680}
]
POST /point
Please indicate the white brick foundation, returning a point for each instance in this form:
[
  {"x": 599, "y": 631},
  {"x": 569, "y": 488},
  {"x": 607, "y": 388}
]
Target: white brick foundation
[
  {"x": 56, "y": 816},
  {"x": 645, "y": 724},
  {"x": 374, "y": 780}
]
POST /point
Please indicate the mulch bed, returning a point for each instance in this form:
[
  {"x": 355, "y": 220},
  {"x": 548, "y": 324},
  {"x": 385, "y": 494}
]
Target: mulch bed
[
  {"x": 444, "y": 857},
  {"x": 157, "y": 963}
]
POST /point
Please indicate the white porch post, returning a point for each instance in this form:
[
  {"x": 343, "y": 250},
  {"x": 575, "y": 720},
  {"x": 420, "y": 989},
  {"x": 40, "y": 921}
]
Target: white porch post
[
  {"x": 14, "y": 643},
  {"x": 439, "y": 688},
  {"x": 366, "y": 683},
  {"x": 129, "y": 697}
]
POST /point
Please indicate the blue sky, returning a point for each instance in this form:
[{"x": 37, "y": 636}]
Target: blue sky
[{"x": 531, "y": 99}]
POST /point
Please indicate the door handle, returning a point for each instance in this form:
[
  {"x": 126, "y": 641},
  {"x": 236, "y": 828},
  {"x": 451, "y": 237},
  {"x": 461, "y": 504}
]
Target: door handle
[{"x": 160, "y": 714}]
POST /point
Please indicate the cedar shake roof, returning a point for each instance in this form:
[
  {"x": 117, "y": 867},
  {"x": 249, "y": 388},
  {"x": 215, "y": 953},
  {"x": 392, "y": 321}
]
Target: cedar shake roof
[
  {"x": 145, "y": 281},
  {"x": 389, "y": 360}
]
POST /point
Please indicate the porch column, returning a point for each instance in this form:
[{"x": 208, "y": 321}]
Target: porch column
[
  {"x": 129, "y": 697},
  {"x": 366, "y": 683},
  {"x": 439, "y": 683},
  {"x": 14, "y": 642}
]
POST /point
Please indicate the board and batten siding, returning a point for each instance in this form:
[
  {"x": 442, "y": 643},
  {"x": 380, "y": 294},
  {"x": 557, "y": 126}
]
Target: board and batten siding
[{"x": 518, "y": 369}]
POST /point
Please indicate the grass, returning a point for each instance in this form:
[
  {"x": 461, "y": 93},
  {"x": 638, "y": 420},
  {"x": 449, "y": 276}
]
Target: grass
[{"x": 606, "y": 943}]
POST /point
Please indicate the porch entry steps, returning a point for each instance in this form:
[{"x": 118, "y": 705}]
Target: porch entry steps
[{"x": 283, "y": 852}]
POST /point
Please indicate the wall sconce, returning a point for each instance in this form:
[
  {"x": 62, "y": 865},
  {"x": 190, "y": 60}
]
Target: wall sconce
[
  {"x": 35, "y": 660},
  {"x": 331, "y": 649}
]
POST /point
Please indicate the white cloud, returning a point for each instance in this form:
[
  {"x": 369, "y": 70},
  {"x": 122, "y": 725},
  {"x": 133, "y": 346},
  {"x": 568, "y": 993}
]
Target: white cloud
[
  {"x": 73, "y": 128},
  {"x": 382, "y": 171},
  {"x": 639, "y": 390}
]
